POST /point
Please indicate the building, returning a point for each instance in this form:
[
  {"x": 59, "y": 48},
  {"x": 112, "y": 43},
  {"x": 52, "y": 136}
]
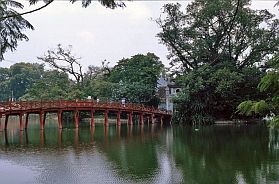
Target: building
[{"x": 167, "y": 89}]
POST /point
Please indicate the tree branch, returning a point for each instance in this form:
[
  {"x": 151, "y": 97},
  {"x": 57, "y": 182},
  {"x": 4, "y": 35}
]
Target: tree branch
[{"x": 31, "y": 11}]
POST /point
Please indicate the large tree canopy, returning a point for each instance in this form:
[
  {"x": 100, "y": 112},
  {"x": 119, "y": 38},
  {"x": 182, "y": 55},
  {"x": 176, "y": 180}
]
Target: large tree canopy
[
  {"x": 218, "y": 49},
  {"x": 136, "y": 78},
  {"x": 212, "y": 31}
]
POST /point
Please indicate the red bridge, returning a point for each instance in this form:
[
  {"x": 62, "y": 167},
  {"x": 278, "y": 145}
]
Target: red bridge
[{"x": 22, "y": 108}]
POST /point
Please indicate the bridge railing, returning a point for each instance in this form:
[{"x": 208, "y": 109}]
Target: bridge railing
[{"x": 58, "y": 104}]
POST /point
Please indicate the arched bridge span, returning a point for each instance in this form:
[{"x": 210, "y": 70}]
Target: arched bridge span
[{"x": 22, "y": 108}]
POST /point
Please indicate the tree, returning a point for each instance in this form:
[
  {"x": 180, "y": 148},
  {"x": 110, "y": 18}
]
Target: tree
[
  {"x": 23, "y": 76},
  {"x": 19, "y": 78},
  {"x": 11, "y": 28},
  {"x": 213, "y": 31},
  {"x": 52, "y": 85},
  {"x": 5, "y": 92},
  {"x": 270, "y": 105},
  {"x": 214, "y": 48},
  {"x": 136, "y": 78},
  {"x": 60, "y": 56}
]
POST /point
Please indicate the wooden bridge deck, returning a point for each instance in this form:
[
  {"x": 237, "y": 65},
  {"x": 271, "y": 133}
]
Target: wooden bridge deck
[{"x": 22, "y": 108}]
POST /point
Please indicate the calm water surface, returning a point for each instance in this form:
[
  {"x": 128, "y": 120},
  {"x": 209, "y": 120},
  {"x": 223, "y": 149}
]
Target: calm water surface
[{"x": 139, "y": 154}]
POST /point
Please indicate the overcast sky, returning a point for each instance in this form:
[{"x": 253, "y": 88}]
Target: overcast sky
[{"x": 97, "y": 33}]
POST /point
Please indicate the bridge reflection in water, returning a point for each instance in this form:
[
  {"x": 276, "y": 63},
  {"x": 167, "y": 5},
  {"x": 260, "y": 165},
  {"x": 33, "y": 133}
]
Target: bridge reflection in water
[{"x": 98, "y": 133}]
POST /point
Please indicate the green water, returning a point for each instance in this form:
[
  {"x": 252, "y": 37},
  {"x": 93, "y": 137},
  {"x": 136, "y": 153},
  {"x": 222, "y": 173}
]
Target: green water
[{"x": 139, "y": 154}]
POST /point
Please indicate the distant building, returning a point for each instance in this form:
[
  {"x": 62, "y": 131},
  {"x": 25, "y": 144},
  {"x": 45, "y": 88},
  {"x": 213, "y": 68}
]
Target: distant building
[{"x": 167, "y": 89}]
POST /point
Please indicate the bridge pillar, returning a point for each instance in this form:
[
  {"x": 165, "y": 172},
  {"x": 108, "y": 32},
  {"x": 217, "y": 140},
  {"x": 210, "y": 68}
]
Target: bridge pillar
[
  {"x": 92, "y": 118},
  {"x": 76, "y": 116},
  {"x": 106, "y": 117},
  {"x": 59, "y": 113},
  {"x": 118, "y": 118},
  {"x": 26, "y": 120},
  {"x": 42, "y": 126},
  {"x": 6, "y": 121},
  {"x": 130, "y": 118},
  {"x": 20, "y": 122}
]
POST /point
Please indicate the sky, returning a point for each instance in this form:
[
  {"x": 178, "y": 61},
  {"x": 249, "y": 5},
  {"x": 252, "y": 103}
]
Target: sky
[{"x": 97, "y": 33}]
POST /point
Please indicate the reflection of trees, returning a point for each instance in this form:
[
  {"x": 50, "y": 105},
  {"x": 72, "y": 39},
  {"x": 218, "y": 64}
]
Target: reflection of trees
[
  {"x": 134, "y": 157},
  {"x": 225, "y": 154},
  {"x": 132, "y": 152}
]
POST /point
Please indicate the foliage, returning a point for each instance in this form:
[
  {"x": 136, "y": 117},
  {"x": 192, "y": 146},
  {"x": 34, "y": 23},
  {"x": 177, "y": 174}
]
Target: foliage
[
  {"x": 213, "y": 92},
  {"x": 23, "y": 76},
  {"x": 52, "y": 85},
  {"x": 19, "y": 78},
  {"x": 212, "y": 31},
  {"x": 5, "y": 92},
  {"x": 217, "y": 49},
  {"x": 270, "y": 105},
  {"x": 99, "y": 88},
  {"x": 107, "y": 3},
  {"x": 136, "y": 78},
  {"x": 11, "y": 28}
]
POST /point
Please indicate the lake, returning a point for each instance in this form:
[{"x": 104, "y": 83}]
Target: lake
[{"x": 139, "y": 154}]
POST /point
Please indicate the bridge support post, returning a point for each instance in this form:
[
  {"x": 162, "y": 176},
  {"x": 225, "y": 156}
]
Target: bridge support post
[
  {"x": 59, "y": 113},
  {"x": 130, "y": 118},
  {"x": 26, "y": 120},
  {"x": 76, "y": 117},
  {"x": 42, "y": 126},
  {"x": 106, "y": 118},
  {"x": 6, "y": 121},
  {"x": 92, "y": 118},
  {"x": 20, "y": 122},
  {"x": 161, "y": 120},
  {"x": 118, "y": 118}
]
